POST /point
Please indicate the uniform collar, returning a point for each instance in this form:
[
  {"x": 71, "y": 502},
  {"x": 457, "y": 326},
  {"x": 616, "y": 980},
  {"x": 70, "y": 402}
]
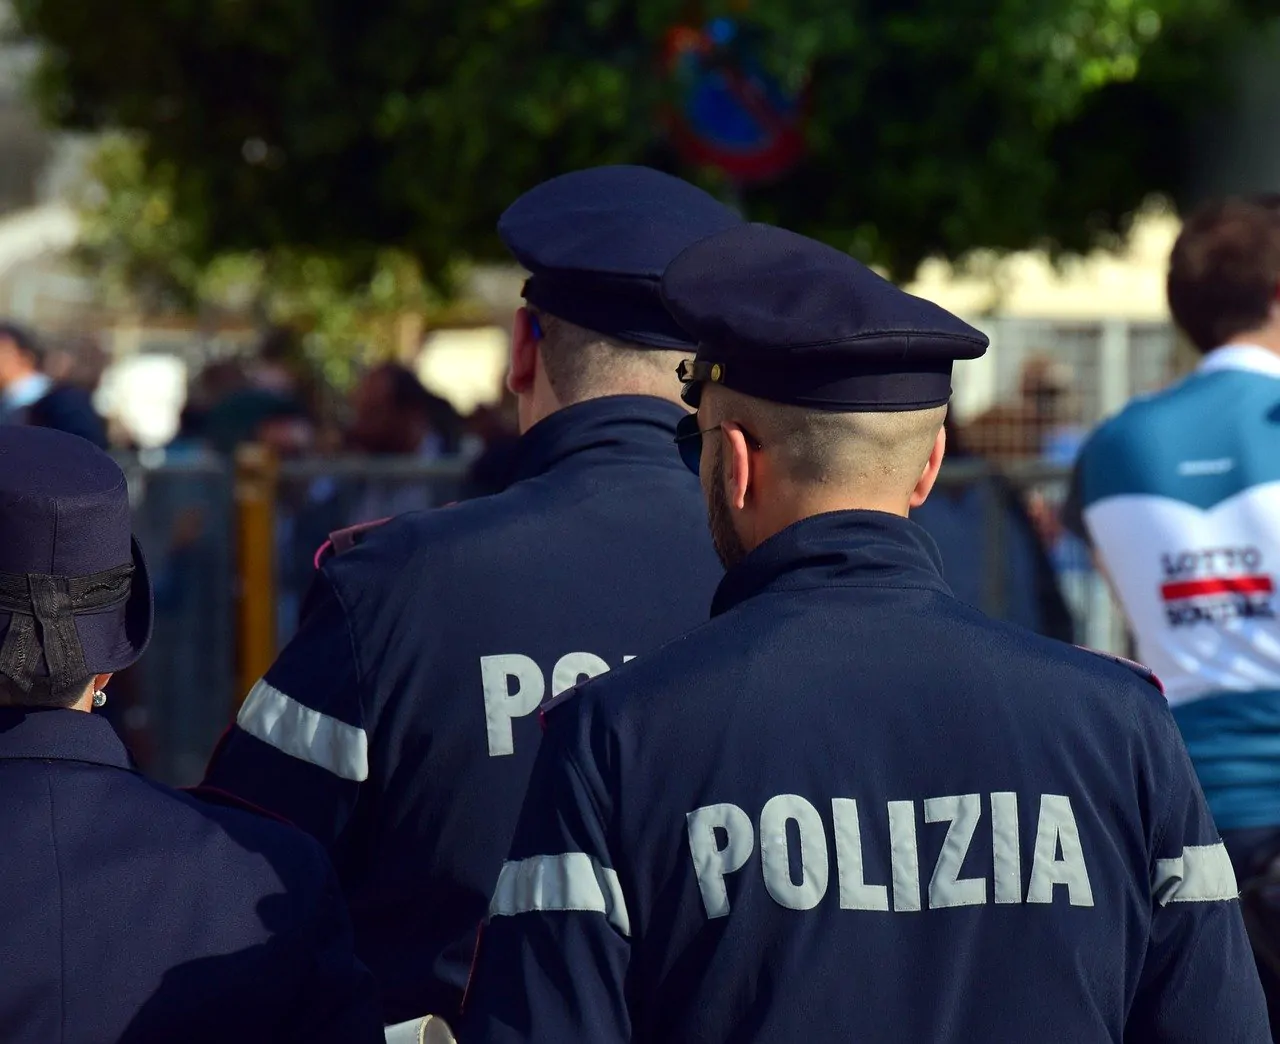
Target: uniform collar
[
  {"x": 60, "y": 735},
  {"x": 636, "y": 427},
  {"x": 839, "y": 549},
  {"x": 1252, "y": 358}
]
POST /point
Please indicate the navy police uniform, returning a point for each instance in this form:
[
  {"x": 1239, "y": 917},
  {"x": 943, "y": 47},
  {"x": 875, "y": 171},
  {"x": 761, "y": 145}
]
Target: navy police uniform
[
  {"x": 400, "y": 724},
  {"x": 850, "y": 807},
  {"x": 130, "y": 912}
]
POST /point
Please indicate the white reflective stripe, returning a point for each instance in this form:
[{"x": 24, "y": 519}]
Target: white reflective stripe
[
  {"x": 573, "y": 881},
  {"x": 410, "y": 1032},
  {"x": 430, "y": 1029},
  {"x": 284, "y": 723},
  {"x": 1203, "y": 873}
]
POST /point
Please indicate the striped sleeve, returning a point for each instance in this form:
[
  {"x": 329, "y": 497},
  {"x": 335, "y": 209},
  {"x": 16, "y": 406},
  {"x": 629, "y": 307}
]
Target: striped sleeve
[
  {"x": 299, "y": 747},
  {"x": 553, "y": 956},
  {"x": 1198, "y": 981}
]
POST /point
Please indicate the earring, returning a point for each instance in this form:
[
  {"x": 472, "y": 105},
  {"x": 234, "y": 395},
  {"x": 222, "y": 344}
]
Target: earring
[{"x": 99, "y": 697}]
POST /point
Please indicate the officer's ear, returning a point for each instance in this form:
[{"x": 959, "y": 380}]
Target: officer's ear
[
  {"x": 524, "y": 354},
  {"x": 738, "y": 462},
  {"x": 930, "y": 474}
]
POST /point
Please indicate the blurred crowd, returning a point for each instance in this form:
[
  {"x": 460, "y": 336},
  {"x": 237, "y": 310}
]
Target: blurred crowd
[{"x": 272, "y": 398}]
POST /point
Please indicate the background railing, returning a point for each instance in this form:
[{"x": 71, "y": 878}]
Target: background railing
[{"x": 231, "y": 550}]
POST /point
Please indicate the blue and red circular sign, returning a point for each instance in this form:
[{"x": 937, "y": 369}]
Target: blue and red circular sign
[{"x": 732, "y": 114}]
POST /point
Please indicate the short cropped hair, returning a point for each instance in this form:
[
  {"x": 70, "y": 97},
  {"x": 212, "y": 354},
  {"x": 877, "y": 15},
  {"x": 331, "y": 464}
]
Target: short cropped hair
[
  {"x": 582, "y": 364},
  {"x": 1224, "y": 271},
  {"x": 874, "y": 452}
]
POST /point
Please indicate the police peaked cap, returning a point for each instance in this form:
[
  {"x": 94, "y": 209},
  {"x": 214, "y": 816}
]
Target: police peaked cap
[
  {"x": 75, "y": 598},
  {"x": 782, "y": 317},
  {"x": 597, "y": 241}
]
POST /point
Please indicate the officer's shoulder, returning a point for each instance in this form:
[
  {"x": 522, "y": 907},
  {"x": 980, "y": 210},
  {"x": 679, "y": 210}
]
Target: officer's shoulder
[
  {"x": 432, "y": 535},
  {"x": 243, "y": 831},
  {"x": 1082, "y": 671},
  {"x": 1150, "y": 686}
]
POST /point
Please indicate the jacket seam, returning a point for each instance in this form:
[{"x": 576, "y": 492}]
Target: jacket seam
[{"x": 62, "y": 921}]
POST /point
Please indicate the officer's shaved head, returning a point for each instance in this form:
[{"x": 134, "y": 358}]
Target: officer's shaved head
[
  {"x": 879, "y": 454},
  {"x": 582, "y": 364}
]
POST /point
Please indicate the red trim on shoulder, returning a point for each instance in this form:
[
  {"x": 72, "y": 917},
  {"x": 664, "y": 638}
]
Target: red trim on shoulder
[
  {"x": 343, "y": 540},
  {"x": 318, "y": 561},
  {"x": 1141, "y": 670},
  {"x": 218, "y": 796}
]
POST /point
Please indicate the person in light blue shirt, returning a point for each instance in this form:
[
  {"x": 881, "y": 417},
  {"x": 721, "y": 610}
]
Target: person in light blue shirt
[
  {"x": 30, "y": 396},
  {"x": 22, "y": 384},
  {"x": 1180, "y": 497}
]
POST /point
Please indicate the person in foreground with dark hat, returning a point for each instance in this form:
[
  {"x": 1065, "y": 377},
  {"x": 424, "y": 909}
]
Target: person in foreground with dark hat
[
  {"x": 850, "y": 807},
  {"x": 400, "y": 724},
  {"x": 130, "y": 912}
]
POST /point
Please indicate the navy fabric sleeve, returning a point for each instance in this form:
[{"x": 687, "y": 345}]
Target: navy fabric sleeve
[
  {"x": 300, "y": 746},
  {"x": 552, "y": 959},
  {"x": 1198, "y": 981},
  {"x": 338, "y": 1001}
]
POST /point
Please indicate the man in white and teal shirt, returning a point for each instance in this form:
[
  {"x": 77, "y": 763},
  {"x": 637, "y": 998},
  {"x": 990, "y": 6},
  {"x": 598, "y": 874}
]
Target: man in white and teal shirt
[{"x": 1179, "y": 496}]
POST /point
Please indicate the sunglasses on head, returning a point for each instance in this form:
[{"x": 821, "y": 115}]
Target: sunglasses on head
[{"x": 689, "y": 440}]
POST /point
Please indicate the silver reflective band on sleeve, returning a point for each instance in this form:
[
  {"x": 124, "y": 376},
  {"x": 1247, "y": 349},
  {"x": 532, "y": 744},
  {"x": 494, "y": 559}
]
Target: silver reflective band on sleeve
[
  {"x": 573, "y": 881},
  {"x": 1202, "y": 873},
  {"x": 282, "y": 722},
  {"x": 431, "y": 1029}
]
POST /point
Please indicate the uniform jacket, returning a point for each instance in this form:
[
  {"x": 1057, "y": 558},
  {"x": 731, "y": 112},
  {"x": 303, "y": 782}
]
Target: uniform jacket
[
  {"x": 852, "y": 808},
  {"x": 132, "y": 913},
  {"x": 400, "y": 724}
]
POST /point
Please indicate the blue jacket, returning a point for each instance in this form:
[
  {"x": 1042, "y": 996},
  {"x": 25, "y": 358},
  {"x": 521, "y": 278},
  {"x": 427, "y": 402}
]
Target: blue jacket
[
  {"x": 400, "y": 724},
  {"x": 132, "y": 913},
  {"x": 852, "y": 808}
]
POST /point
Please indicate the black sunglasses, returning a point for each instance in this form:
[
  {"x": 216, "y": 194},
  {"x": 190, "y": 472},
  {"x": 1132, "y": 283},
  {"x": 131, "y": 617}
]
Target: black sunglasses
[{"x": 689, "y": 440}]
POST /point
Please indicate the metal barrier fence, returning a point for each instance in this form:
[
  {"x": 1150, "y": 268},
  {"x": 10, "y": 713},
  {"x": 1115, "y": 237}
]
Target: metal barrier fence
[{"x": 231, "y": 551}]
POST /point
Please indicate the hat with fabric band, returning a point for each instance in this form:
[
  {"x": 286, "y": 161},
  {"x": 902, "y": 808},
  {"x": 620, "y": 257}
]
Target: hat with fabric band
[{"x": 75, "y": 596}]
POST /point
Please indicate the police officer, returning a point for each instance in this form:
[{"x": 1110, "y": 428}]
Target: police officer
[
  {"x": 850, "y": 807},
  {"x": 130, "y": 912},
  {"x": 400, "y": 724}
]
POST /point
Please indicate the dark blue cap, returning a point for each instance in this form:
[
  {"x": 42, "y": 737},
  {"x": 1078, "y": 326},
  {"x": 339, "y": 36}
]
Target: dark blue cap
[
  {"x": 781, "y": 317},
  {"x": 597, "y": 241},
  {"x": 75, "y": 599}
]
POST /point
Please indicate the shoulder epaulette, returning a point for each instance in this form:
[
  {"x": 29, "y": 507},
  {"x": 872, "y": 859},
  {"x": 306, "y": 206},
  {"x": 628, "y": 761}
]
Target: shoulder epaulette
[
  {"x": 343, "y": 540},
  {"x": 1143, "y": 672}
]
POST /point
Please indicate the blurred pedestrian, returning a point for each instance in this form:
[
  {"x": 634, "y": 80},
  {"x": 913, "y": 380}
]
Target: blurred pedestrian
[
  {"x": 396, "y": 417},
  {"x": 1022, "y": 587},
  {"x": 1037, "y": 426},
  {"x": 28, "y": 395},
  {"x": 1180, "y": 497}
]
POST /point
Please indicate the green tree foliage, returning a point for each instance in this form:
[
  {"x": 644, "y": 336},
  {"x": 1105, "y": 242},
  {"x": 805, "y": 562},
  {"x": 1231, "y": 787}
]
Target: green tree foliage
[
  {"x": 338, "y": 128},
  {"x": 144, "y": 254}
]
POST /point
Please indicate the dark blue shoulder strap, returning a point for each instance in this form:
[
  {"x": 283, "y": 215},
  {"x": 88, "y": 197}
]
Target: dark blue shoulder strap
[
  {"x": 1145, "y": 673},
  {"x": 343, "y": 540}
]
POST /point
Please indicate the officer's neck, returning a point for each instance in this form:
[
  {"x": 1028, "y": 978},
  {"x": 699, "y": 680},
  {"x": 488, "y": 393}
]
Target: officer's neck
[
  {"x": 771, "y": 514},
  {"x": 541, "y": 401}
]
